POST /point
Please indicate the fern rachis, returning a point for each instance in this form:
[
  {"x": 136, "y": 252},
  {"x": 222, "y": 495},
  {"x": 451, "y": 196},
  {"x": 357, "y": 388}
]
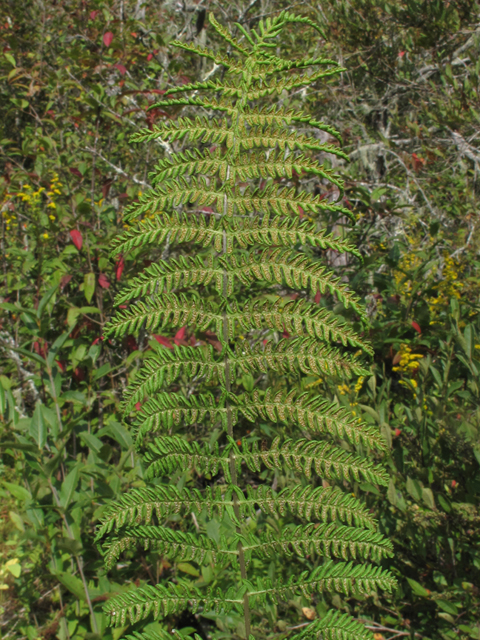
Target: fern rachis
[{"x": 253, "y": 250}]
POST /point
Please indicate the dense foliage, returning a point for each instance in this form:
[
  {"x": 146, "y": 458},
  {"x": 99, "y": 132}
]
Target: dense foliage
[{"x": 77, "y": 80}]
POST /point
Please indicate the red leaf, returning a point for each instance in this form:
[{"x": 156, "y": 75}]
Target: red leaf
[
  {"x": 397, "y": 432},
  {"x": 301, "y": 212},
  {"x": 164, "y": 341},
  {"x": 62, "y": 365},
  {"x": 77, "y": 239},
  {"x": 180, "y": 335},
  {"x": 122, "y": 306},
  {"x": 121, "y": 68},
  {"x": 138, "y": 406},
  {"x": 64, "y": 280},
  {"x": 285, "y": 334},
  {"x": 75, "y": 171},
  {"x": 103, "y": 281},
  {"x": 40, "y": 349},
  {"x": 94, "y": 14},
  {"x": 149, "y": 57},
  {"x": 79, "y": 374},
  {"x": 454, "y": 484},
  {"x": 96, "y": 341},
  {"x": 317, "y": 297},
  {"x": 265, "y": 342},
  {"x": 416, "y": 326},
  {"x": 131, "y": 343},
  {"x": 107, "y": 38},
  {"x": 401, "y": 54},
  {"x": 119, "y": 267}
]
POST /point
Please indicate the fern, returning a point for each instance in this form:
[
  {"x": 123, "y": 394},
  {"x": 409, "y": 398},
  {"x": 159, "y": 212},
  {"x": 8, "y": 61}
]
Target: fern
[{"x": 244, "y": 235}]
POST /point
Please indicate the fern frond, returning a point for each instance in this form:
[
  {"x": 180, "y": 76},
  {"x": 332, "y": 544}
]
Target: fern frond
[
  {"x": 167, "y": 410},
  {"x": 177, "y": 311},
  {"x": 169, "y": 453},
  {"x": 326, "y": 539},
  {"x": 171, "y": 310},
  {"x": 161, "y": 601},
  {"x": 312, "y": 414},
  {"x": 164, "y": 277},
  {"x": 199, "y": 130},
  {"x": 175, "y": 544},
  {"x": 275, "y": 267},
  {"x": 335, "y": 626},
  {"x": 268, "y": 230},
  {"x": 345, "y": 578},
  {"x": 256, "y": 165},
  {"x": 307, "y": 502},
  {"x": 164, "y": 366},
  {"x": 276, "y": 87},
  {"x": 177, "y": 228}
]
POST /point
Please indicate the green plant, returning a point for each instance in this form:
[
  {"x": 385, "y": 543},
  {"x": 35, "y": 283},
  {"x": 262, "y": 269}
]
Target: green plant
[
  {"x": 240, "y": 294},
  {"x": 255, "y": 246}
]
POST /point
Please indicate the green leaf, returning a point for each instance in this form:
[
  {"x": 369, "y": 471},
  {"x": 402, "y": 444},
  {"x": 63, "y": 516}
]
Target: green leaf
[
  {"x": 45, "y": 300},
  {"x": 56, "y": 346},
  {"x": 414, "y": 488},
  {"x": 448, "y": 607},
  {"x": 102, "y": 371},
  {"x": 428, "y": 499},
  {"x": 38, "y": 428},
  {"x": 91, "y": 441},
  {"x": 444, "y": 503},
  {"x": 118, "y": 432},
  {"x": 72, "y": 583},
  {"x": 89, "y": 286},
  {"x": 68, "y": 487},
  {"x": 417, "y": 588},
  {"x": 392, "y": 493},
  {"x": 18, "y": 492},
  {"x": 188, "y": 568}
]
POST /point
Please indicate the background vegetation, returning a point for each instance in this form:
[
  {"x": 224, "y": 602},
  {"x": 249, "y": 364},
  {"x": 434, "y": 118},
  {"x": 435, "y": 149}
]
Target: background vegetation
[{"x": 77, "y": 79}]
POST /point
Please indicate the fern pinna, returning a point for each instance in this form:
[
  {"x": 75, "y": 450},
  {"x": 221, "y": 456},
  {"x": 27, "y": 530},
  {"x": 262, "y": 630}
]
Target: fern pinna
[{"x": 235, "y": 196}]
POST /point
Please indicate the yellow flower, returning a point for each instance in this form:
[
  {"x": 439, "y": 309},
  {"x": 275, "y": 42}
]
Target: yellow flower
[
  {"x": 52, "y": 217},
  {"x": 51, "y": 205},
  {"x": 359, "y": 384},
  {"x": 45, "y": 235}
]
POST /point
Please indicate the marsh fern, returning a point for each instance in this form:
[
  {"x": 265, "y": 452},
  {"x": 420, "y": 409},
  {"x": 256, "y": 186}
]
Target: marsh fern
[{"x": 224, "y": 413}]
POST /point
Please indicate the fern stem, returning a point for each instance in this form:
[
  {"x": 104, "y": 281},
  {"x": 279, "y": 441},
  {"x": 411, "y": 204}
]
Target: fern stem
[{"x": 233, "y": 470}]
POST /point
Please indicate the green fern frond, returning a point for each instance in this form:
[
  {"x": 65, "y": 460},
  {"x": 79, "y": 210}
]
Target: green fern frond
[
  {"x": 341, "y": 577},
  {"x": 164, "y": 366},
  {"x": 175, "y": 544},
  {"x": 169, "y": 410},
  {"x": 172, "y": 310},
  {"x": 177, "y": 228},
  {"x": 322, "y": 503},
  {"x": 272, "y": 199},
  {"x": 312, "y": 414},
  {"x": 169, "y": 453},
  {"x": 326, "y": 539},
  {"x": 254, "y": 166},
  {"x": 160, "y": 601},
  {"x": 268, "y": 230},
  {"x": 251, "y": 185},
  {"x": 335, "y": 626},
  {"x": 275, "y": 267}
]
